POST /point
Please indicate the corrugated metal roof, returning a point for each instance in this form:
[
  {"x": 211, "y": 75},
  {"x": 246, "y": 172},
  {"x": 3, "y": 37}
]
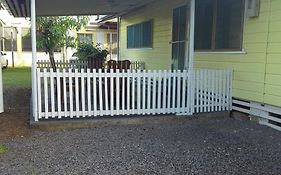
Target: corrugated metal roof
[{"x": 21, "y": 8}]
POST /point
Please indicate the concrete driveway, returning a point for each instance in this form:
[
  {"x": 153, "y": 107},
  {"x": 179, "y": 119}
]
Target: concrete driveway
[{"x": 199, "y": 146}]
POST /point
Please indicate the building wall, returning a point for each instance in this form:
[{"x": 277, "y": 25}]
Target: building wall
[
  {"x": 249, "y": 67},
  {"x": 24, "y": 58},
  {"x": 272, "y": 92},
  {"x": 159, "y": 56},
  {"x": 257, "y": 69}
]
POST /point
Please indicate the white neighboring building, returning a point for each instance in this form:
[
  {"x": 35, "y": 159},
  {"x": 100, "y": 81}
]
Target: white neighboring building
[{"x": 15, "y": 39}]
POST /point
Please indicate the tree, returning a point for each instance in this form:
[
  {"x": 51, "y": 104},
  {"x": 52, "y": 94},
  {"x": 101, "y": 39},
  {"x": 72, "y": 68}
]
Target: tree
[{"x": 52, "y": 33}]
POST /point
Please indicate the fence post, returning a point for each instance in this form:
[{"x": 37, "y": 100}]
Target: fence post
[{"x": 1, "y": 91}]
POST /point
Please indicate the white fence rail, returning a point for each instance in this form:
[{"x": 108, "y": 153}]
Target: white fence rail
[
  {"x": 73, "y": 93},
  {"x": 212, "y": 90},
  {"x": 80, "y": 64}
]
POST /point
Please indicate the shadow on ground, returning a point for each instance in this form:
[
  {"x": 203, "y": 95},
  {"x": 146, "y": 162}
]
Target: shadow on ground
[{"x": 14, "y": 122}]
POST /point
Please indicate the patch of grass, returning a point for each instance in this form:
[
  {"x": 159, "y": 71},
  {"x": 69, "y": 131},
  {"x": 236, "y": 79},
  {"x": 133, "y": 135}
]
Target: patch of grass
[
  {"x": 17, "y": 77},
  {"x": 3, "y": 149}
]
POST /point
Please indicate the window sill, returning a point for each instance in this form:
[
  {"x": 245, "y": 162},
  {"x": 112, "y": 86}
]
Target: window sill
[
  {"x": 221, "y": 52},
  {"x": 145, "y": 48}
]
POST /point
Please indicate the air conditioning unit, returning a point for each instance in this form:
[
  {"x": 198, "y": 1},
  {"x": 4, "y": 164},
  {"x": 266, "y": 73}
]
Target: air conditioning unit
[{"x": 253, "y": 8}]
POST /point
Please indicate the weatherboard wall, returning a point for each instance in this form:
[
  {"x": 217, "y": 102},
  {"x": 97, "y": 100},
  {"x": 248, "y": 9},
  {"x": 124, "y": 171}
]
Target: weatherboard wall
[
  {"x": 257, "y": 69},
  {"x": 159, "y": 56}
]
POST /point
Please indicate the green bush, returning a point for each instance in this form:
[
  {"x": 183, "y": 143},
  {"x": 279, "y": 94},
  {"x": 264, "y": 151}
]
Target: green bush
[{"x": 86, "y": 50}]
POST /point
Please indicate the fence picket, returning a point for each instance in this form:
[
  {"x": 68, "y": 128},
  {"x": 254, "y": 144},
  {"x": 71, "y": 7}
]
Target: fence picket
[
  {"x": 154, "y": 92},
  {"x": 83, "y": 99},
  {"x": 164, "y": 101},
  {"x": 159, "y": 92},
  {"x": 138, "y": 92},
  {"x": 178, "y": 105},
  {"x": 117, "y": 96},
  {"x": 46, "y": 95},
  {"x": 129, "y": 76},
  {"x": 213, "y": 90},
  {"x": 58, "y": 94},
  {"x": 89, "y": 93},
  {"x": 70, "y": 87},
  {"x": 111, "y": 86},
  {"x": 197, "y": 89},
  {"x": 106, "y": 93},
  {"x": 39, "y": 93},
  {"x": 64, "y": 92},
  {"x": 149, "y": 111},
  {"x": 95, "y": 94},
  {"x": 220, "y": 90},
  {"x": 124, "y": 90},
  {"x": 133, "y": 91},
  {"x": 100, "y": 75},
  {"x": 77, "y": 107},
  {"x": 144, "y": 88},
  {"x": 168, "y": 110},
  {"x": 174, "y": 92},
  {"x": 52, "y": 86},
  {"x": 184, "y": 89}
]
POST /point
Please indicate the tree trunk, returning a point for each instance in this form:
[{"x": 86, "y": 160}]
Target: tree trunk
[{"x": 52, "y": 60}]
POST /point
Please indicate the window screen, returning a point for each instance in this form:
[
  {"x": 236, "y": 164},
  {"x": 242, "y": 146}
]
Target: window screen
[
  {"x": 219, "y": 25},
  {"x": 140, "y": 35}
]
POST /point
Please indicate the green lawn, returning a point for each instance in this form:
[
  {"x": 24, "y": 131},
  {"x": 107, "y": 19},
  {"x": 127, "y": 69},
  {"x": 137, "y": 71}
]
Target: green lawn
[{"x": 17, "y": 77}]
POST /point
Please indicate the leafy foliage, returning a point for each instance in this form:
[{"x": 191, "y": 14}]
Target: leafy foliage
[
  {"x": 53, "y": 31},
  {"x": 3, "y": 149},
  {"x": 85, "y": 50}
]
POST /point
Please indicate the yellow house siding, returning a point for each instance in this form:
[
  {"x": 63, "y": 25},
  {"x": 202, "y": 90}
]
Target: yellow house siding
[
  {"x": 249, "y": 68},
  {"x": 159, "y": 56},
  {"x": 257, "y": 69},
  {"x": 272, "y": 94}
]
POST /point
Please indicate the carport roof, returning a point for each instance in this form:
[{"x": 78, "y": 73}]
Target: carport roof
[{"x": 21, "y": 8}]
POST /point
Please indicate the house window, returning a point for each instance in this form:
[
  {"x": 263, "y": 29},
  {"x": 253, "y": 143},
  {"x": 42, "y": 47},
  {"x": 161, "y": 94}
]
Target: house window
[
  {"x": 140, "y": 35},
  {"x": 10, "y": 39},
  {"x": 85, "y": 38},
  {"x": 112, "y": 42},
  {"x": 26, "y": 40},
  {"x": 1, "y": 37},
  {"x": 219, "y": 25}
]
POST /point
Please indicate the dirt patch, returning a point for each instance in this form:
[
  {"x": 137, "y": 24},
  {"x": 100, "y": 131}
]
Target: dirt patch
[
  {"x": 13, "y": 125},
  {"x": 17, "y": 100},
  {"x": 14, "y": 122}
]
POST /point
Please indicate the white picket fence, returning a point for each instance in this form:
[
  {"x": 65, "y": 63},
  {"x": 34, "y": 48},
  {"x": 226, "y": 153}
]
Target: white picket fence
[
  {"x": 212, "y": 90},
  {"x": 80, "y": 64},
  {"x": 73, "y": 93},
  {"x": 69, "y": 93}
]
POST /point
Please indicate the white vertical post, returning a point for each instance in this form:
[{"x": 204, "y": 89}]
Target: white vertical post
[
  {"x": 34, "y": 57},
  {"x": 118, "y": 38},
  {"x": 191, "y": 53},
  {"x": 1, "y": 91},
  {"x": 191, "y": 35}
]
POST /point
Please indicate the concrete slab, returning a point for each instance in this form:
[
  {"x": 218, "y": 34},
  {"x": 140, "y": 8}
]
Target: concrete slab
[{"x": 53, "y": 124}]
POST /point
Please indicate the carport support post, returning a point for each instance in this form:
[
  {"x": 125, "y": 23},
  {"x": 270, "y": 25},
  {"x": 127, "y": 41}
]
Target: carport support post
[
  {"x": 34, "y": 60},
  {"x": 1, "y": 91},
  {"x": 191, "y": 35},
  {"x": 191, "y": 54}
]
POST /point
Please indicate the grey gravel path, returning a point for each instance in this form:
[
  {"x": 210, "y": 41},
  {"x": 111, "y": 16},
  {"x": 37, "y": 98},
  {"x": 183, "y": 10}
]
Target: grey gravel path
[{"x": 219, "y": 146}]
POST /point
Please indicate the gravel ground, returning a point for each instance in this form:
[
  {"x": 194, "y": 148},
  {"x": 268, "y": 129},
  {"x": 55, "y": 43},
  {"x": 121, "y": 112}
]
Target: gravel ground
[{"x": 218, "y": 146}]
